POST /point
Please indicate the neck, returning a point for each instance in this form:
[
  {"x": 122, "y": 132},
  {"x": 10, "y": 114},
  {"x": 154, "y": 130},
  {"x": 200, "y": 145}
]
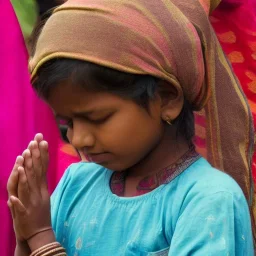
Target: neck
[{"x": 167, "y": 152}]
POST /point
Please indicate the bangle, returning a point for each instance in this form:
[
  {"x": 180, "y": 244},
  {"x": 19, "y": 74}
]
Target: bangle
[
  {"x": 45, "y": 248},
  {"x": 54, "y": 251},
  {"x": 39, "y": 231}
]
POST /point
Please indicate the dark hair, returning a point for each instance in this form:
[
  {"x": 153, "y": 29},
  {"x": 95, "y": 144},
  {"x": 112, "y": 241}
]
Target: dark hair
[
  {"x": 93, "y": 77},
  {"x": 45, "y": 5}
]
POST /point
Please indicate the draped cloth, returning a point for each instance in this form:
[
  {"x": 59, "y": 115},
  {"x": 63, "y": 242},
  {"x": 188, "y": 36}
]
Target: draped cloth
[
  {"x": 234, "y": 22},
  {"x": 169, "y": 39},
  {"x": 22, "y": 115}
]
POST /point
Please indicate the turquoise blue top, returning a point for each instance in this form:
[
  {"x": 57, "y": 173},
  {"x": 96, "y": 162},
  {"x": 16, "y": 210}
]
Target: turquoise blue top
[{"x": 201, "y": 212}]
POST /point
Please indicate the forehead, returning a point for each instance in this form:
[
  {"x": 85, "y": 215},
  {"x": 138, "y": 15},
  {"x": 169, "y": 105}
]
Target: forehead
[{"x": 66, "y": 98}]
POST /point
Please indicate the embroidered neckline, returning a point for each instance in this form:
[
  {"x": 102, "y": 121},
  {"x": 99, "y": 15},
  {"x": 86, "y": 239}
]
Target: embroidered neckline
[{"x": 149, "y": 183}]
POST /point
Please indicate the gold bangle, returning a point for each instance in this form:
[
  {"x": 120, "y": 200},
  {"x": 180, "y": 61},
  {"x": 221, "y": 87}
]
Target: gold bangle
[
  {"x": 47, "y": 246},
  {"x": 46, "y": 249},
  {"x": 53, "y": 251},
  {"x": 61, "y": 254}
]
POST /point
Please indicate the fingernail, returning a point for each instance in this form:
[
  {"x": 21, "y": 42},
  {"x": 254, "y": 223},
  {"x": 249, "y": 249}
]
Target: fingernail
[
  {"x": 39, "y": 135},
  {"x": 44, "y": 143},
  {"x": 19, "y": 159},
  {"x": 27, "y": 152}
]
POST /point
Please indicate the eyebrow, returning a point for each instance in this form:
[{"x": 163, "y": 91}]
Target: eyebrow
[{"x": 82, "y": 114}]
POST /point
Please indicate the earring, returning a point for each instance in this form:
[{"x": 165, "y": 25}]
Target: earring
[{"x": 168, "y": 120}]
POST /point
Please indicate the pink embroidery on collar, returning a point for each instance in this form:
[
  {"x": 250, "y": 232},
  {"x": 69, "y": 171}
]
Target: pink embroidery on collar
[{"x": 117, "y": 182}]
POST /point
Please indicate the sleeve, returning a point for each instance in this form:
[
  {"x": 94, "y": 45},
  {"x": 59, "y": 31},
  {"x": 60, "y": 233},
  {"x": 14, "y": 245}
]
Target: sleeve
[
  {"x": 57, "y": 195},
  {"x": 215, "y": 225}
]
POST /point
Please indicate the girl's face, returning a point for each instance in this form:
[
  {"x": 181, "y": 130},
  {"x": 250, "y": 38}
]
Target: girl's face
[{"x": 111, "y": 131}]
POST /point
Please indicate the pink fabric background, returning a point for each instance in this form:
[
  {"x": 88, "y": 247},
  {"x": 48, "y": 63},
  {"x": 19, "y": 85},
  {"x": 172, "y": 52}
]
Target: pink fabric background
[{"x": 22, "y": 115}]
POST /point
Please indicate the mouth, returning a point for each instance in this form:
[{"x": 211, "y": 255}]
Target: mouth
[{"x": 98, "y": 157}]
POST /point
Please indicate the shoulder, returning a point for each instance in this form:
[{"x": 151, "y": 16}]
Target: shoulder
[
  {"x": 205, "y": 191},
  {"x": 202, "y": 178},
  {"x": 78, "y": 179},
  {"x": 81, "y": 175},
  {"x": 209, "y": 204},
  {"x": 202, "y": 186},
  {"x": 84, "y": 170}
]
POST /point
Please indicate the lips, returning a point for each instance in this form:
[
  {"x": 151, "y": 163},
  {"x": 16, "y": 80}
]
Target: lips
[{"x": 99, "y": 158}]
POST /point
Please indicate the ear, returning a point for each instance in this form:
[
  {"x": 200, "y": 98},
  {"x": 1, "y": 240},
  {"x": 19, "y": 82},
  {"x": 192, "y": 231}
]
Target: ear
[{"x": 172, "y": 100}]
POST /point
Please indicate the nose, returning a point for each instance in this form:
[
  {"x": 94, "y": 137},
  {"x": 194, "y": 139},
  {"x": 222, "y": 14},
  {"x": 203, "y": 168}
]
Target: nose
[{"x": 80, "y": 136}]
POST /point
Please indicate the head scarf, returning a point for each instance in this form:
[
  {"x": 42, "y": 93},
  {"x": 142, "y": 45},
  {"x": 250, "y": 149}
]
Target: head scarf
[{"x": 169, "y": 39}]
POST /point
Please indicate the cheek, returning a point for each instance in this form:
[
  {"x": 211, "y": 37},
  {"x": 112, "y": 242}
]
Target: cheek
[{"x": 133, "y": 136}]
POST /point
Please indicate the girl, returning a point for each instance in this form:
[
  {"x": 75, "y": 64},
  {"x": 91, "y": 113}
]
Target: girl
[{"x": 125, "y": 76}]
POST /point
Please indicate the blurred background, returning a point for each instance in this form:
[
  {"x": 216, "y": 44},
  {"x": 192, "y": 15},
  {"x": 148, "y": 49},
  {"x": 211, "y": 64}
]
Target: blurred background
[{"x": 23, "y": 115}]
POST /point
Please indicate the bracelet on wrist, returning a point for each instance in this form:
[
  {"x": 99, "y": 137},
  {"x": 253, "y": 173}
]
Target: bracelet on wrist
[{"x": 51, "y": 249}]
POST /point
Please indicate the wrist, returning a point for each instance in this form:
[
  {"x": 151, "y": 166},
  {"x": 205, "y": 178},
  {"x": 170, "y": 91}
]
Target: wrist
[
  {"x": 22, "y": 248},
  {"x": 21, "y": 243},
  {"x": 41, "y": 239}
]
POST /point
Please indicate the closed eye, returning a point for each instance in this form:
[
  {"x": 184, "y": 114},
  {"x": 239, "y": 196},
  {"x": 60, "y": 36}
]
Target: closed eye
[
  {"x": 94, "y": 120},
  {"x": 99, "y": 120}
]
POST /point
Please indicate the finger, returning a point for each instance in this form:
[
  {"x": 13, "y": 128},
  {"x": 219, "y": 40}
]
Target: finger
[
  {"x": 36, "y": 159},
  {"x": 30, "y": 173},
  {"x": 26, "y": 153},
  {"x": 27, "y": 159},
  {"x": 18, "y": 206},
  {"x": 19, "y": 161},
  {"x": 10, "y": 205},
  {"x": 12, "y": 184},
  {"x": 39, "y": 137},
  {"x": 23, "y": 187},
  {"x": 43, "y": 147}
]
